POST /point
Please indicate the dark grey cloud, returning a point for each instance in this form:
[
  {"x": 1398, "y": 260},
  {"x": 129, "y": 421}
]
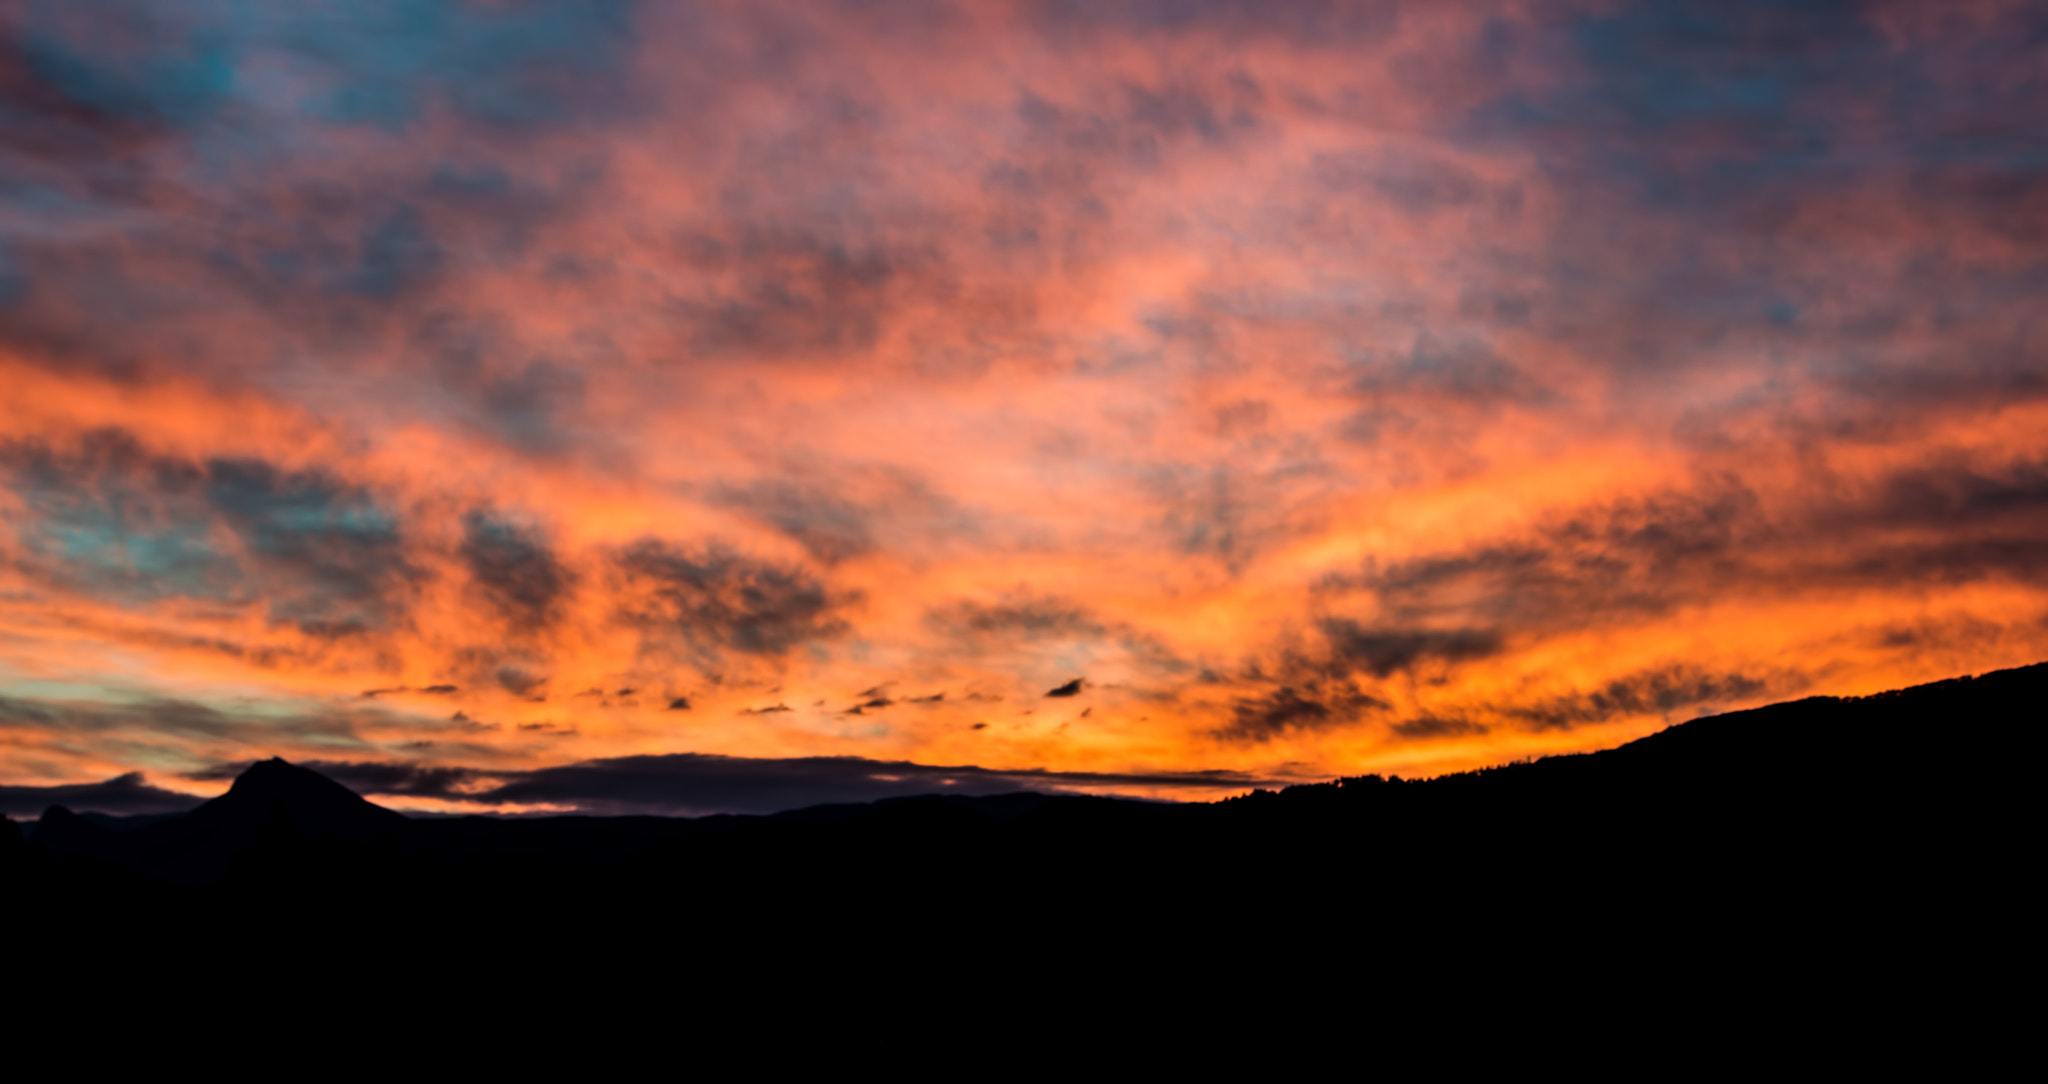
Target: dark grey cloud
[
  {"x": 333, "y": 558},
  {"x": 514, "y": 569},
  {"x": 788, "y": 294},
  {"x": 1318, "y": 686},
  {"x": 1872, "y": 399},
  {"x": 843, "y": 511},
  {"x": 1418, "y": 185},
  {"x": 1937, "y": 524},
  {"x": 1023, "y": 619},
  {"x": 1071, "y": 688},
  {"x": 1465, "y": 374},
  {"x": 1213, "y": 513},
  {"x": 123, "y": 795},
  {"x": 1958, "y": 632},
  {"x": 1427, "y": 727},
  {"x": 427, "y": 690},
  {"x": 1181, "y": 110},
  {"x": 532, "y": 405},
  {"x": 686, "y": 784},
  {"x": 58, "y": 108},
  {"x": 826, "y": 523},
  {"x": 1381, "y": 652},
  {"x": 488, "y": 377},
  {"x": 1312, "y": 704},
  {"x": 515, "y": 678},
  {"x": 1137, "y": 126},
  {"x": 1310, "y": 23},
  {"x": 715, "y": 600},
  {"x": 1957, "y": 495},
  {"x": 397, "y": 254},
  {"x": 1653, "y": 692},
  {"x": 1309, "y": 693}
]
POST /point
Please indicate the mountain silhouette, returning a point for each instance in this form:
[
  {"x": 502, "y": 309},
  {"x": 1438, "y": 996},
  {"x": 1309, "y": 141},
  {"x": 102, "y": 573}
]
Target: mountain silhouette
[
  {"x": 1741, "y": 776},
  {"x": 1754, "y": 858},
  {"x": 315, "y": 806},
  {"x": 272, "y": 806}
]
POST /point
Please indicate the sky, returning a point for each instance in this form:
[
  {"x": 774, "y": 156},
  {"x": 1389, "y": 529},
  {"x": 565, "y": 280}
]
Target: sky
[{"x": 524, "y": 405}]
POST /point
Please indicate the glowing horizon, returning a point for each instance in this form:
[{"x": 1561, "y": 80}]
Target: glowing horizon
[{"x": 1326, "y": 389}]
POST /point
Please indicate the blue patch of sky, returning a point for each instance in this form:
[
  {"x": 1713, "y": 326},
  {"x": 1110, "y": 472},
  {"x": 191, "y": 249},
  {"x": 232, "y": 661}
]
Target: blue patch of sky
[
  {"x": 1770, "y": 77},
  {"x": 514, "y": 65},
  {"x": 1763, "y": 74},
  {"x": 398, "y": 253},
  {"x": 316, "y": 550},
  {"x": 181, "y": 82},
  {"x": 333, "y": 560},
  {"x": 14, "y": 283},
  {"x": 287, "y": 515},
  {"x": 367, "y": 62},
  {"x": 114, "y": 545}
]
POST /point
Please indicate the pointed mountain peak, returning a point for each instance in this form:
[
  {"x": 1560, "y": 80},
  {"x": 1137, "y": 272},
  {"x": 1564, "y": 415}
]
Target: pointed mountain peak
[
  {"x": 276, "y": 770},
  {"x": 278, "y": 777}
]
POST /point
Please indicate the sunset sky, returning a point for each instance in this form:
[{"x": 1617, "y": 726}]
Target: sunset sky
[{"x": 493, "y": 401}]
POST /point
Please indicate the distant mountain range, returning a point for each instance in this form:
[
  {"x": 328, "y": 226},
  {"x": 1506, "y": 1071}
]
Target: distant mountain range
[
  {"x": 1855, "y": 836},
  {"x": 1796, "y": 760}
]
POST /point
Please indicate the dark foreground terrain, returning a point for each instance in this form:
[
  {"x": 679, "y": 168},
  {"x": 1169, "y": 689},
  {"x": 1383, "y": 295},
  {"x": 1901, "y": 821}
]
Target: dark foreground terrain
[{"x": 1786, "y": 865}]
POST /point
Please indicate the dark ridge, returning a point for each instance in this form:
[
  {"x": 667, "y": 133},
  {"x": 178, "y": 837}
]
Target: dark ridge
[
  {"x": 61, "y": 830},
  {"x": 114, "y": 822},
  {"x": 1828, "y": 745},
  {"x": 1835, "y": 850}
]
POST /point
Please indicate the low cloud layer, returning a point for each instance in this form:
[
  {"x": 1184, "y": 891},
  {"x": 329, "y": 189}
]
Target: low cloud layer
[
  {"x": 690, "y": 784},
  {"x": 122, "y": 796}
]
